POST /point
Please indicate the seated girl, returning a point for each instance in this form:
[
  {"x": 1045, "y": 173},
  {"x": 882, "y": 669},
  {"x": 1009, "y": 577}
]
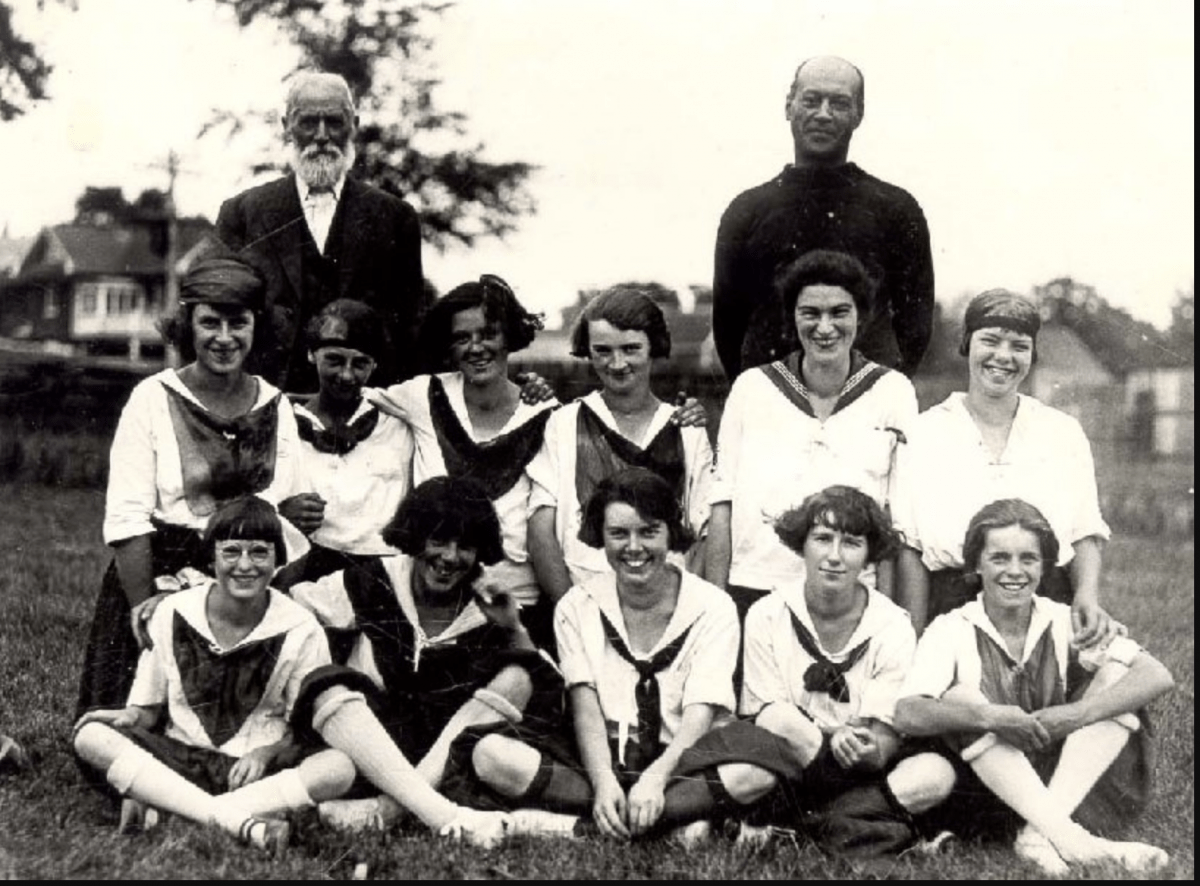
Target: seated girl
[
  {"x": 996, "y": 680},
  {"x": 647, "y": 651},
  {"x": 824, "y": 663},
  {"x": 226, "y": 666},
  {"x": 434, "y": 656}
]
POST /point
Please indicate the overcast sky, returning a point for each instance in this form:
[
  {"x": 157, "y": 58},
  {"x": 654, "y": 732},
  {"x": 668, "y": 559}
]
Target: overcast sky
[{"x": 1042, "y": 137}]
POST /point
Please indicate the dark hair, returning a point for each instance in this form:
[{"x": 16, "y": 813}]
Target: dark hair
[
  {"x": 348, "y": 323},
  {"x": 177, "y": 329},
  {"x": 840, "y": 507},
  {"x": 627, "y": 308},
  {"x": 447, "y": 509},
  {"x": 500, "y": 306},
  {"x": 245, "y": 518},
  {"x": 1000, "y": 515},
  {"x": 1004, "y": 309},
  {"x": 644, "y": 491},
  {"x": 825, "y": 267}
]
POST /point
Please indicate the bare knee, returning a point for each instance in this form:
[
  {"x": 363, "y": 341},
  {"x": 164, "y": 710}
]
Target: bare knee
[
  {"x": 800, "y": 733},
  {"x": 505, "y": 765},
  {"x": 922, "y": 782},
  {"x": 746, "y": 782}
]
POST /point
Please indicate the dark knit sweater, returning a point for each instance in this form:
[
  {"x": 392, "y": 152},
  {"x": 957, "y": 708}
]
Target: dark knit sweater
[{"x": 803, "y": 209}]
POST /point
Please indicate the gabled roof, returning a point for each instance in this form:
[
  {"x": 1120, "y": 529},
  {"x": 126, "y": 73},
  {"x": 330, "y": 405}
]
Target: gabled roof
[{"x": 71, "y": 249}]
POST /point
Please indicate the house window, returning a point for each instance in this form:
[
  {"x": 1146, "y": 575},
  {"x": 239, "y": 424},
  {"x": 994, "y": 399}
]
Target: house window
[
  {"x": 51, "y": 305},
  {"x": 89, "y": 298}
]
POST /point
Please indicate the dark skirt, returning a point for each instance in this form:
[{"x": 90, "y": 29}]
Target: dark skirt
[
  {"x": 112, "y": 652},
  {"x": 951, "y": 588}
]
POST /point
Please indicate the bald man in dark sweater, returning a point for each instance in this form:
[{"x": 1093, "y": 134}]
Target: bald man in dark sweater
[{"x": 821, "y": 201}]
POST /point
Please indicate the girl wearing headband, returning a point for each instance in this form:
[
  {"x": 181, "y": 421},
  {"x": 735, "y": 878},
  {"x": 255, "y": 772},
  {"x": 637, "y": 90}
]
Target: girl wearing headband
[{"x": 989, "y": 443}]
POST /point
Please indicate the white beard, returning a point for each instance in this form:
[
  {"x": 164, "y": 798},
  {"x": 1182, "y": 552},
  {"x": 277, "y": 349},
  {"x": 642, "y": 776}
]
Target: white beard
[{"x": 322, "y": 170}]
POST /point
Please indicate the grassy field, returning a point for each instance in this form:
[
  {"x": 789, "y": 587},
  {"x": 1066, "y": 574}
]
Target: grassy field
[{"x": 52, "y": 826}]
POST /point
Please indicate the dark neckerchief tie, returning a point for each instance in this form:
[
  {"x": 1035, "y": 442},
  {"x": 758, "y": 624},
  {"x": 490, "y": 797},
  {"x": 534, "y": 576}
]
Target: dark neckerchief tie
[
  {"x": 337, "y": 441},
  {"x": 646, "y": 695},
  {"x": 824, "y": 675}
]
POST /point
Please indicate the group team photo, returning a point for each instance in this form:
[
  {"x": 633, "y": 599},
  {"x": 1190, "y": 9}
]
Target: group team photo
[{"x": 373, "y": 593}]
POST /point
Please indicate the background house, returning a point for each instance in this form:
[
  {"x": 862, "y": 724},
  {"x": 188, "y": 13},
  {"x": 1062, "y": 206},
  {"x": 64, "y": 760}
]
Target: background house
[{"x": 94, "y": 290}]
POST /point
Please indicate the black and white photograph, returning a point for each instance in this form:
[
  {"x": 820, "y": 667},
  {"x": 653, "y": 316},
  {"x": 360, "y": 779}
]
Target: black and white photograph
[{"x": 597, "y": 439}]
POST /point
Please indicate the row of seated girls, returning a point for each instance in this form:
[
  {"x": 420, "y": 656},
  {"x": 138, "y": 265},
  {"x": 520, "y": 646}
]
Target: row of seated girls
[{"x": 457, "y": 601}]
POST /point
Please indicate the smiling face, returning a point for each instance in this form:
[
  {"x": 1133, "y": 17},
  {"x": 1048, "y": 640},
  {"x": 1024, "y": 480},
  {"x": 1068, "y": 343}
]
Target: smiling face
[
  {"x": 244, "y": 567},
  {"x": 477, "y": 347},
  {"x": 222, "y": 337},
  {"x": 636, "y": 548},
  {"x": 833, "y": 560},
  {"x": 1010, "y": 568},
  {"x": 824, "y": 110},
  {"x": 826, "y": 323},
  {"x": 620, "y": 357},
  {"x": 998, "y": 360},
  {"x": 342, "y": 372},
  {"x": 443, "y": 566}
]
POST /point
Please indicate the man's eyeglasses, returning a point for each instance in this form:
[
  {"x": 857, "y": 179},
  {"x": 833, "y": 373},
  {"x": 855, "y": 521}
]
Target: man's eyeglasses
[{"x": 231, "y": 552}]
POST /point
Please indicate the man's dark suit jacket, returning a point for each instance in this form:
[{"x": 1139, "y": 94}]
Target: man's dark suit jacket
[{"x": 372, "y": 253}]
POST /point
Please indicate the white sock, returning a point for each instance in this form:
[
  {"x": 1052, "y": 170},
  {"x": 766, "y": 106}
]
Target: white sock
[
  {"x": 1010, "y": 776},
  {"x": 346, "y": 722},
  {"x": 138, "y": 774},
  {"x": 1086, "y": 755},
  {"x": 276, "y": 793}
]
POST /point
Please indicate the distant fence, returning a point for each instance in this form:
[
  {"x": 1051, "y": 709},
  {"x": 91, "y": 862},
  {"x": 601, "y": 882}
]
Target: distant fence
[{"x": 57, "y": 419}]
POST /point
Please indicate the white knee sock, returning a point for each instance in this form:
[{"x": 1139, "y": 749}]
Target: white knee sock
[
  {"x": 276, "y": 793},
  {"x": 346, "y": 722},
  {"x": 1086, "y": 755},
  {"x": 138, "y": 774},
  {"x": 1010, "y": 776}
]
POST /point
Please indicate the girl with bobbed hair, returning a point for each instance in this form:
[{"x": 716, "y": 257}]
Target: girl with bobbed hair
[
  {"x": 647, "y": 651},
  {"x": 993, "y": 442},
  {"x": 187, "y": 440},
  {"x": 357, "y": 458},
  {"x": 822, "y": 415},
  {"x": 436, "y": 649},
  {"x": 186, "y": 741},
  {"x": 621, "y": 332},
  {"x": 470, "y": 420},
  {"x": 1044, "y": 733}
]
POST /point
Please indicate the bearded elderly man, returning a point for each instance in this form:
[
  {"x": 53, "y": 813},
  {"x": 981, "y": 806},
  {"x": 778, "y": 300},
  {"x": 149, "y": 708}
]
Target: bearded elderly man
[
  {"x": 318, "y": 235},
  {"x": 821, "y": 201}
]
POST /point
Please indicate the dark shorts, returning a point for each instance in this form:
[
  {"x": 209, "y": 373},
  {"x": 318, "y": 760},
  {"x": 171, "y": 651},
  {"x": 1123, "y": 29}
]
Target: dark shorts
[{"x": 204, "y": 767}]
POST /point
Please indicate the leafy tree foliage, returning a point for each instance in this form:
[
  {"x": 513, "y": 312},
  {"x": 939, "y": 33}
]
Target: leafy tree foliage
[
  {"x": 23, "y": 71},
  {"x": 406, "y": 144}
]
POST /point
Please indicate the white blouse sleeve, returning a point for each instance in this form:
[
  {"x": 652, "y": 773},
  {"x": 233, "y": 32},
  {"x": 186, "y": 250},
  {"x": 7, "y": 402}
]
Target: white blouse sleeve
[
  {"x": 132, "y": 467},
  {"x": 326, "y": 598}
]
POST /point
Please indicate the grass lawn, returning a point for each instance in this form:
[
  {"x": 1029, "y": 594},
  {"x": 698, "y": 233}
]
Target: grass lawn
[{"x": 52, "y": 826}]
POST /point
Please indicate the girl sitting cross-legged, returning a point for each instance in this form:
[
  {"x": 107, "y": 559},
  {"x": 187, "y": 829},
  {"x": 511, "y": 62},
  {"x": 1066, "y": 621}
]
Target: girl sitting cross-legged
[
  {"x": 647, "y": 651},
  {"x": 1004, "y": 684},
  {"x": 225, "y": 668}
]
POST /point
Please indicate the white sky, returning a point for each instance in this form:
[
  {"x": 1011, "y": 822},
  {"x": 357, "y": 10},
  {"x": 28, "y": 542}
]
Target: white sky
[{"x": 1042, "y": 137}]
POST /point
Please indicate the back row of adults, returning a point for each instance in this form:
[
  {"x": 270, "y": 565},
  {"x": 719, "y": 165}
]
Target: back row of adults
[{"x": 318, "y": 234}]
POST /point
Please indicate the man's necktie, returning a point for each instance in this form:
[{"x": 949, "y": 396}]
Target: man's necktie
[
  {"x": 824, "y": 675},
  {"x": 646, "y": 695}
]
